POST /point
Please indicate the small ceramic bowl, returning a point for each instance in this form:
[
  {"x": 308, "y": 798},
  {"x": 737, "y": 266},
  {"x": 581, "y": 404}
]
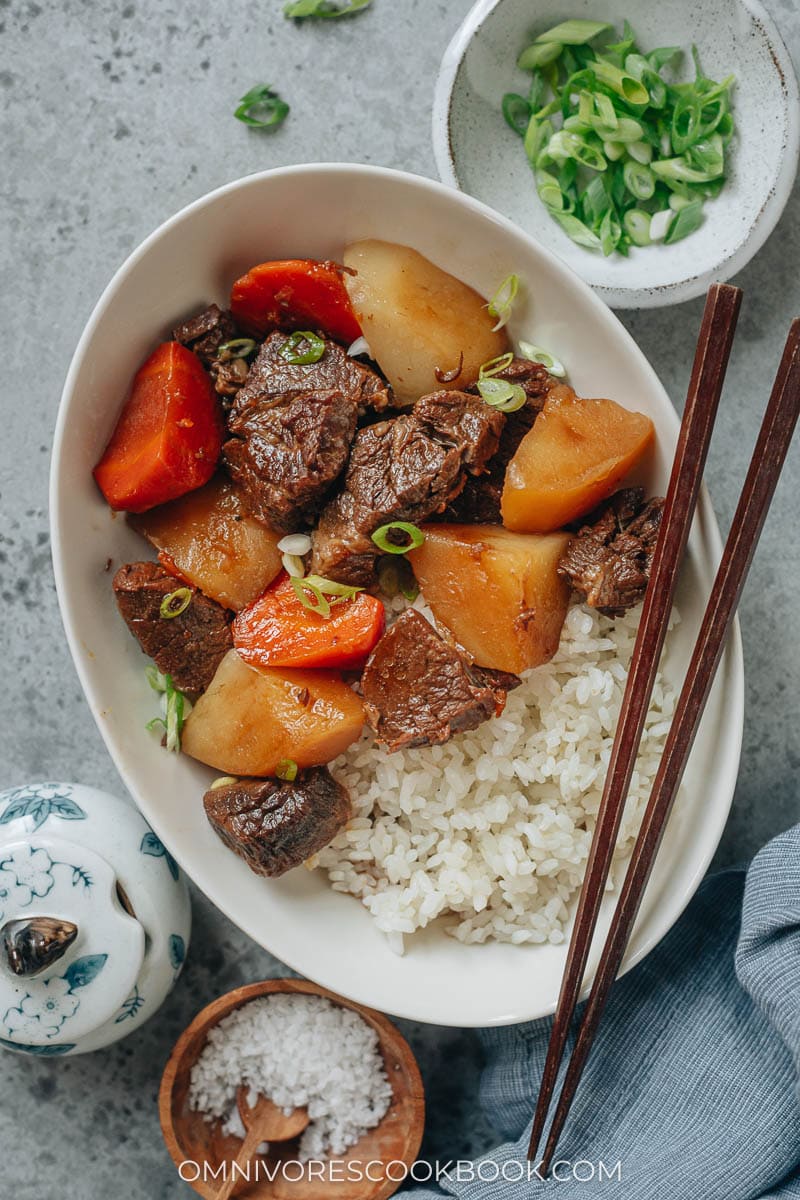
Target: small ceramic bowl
[
  {"x": 477, "y": 152},
  {"x": 199, "y": 1148}
]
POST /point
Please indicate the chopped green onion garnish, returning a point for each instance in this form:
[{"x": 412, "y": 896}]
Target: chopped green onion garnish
[
  {"x": 293, "y": 565},
  {"x": 639, "y": 180},
  {"x": 606, "y": 134},
  {"x": 505, "y": 396},
  {"x": 175, "y": 603},
  {"x": 685, "y": 221},
  {"x": 332, "y": 587},
  {"x": 517, "y": 112},
  {"x": 311, "y": 597},
  {"x": 262, "y": 108},
  {"x": 395, "y": 577},
  {"x": 173, "y": 707},
  {"x": 540, "y": 54},
  {"x": 287, "y": 770},
  {"x": 157, "y": 681},
  {"x": 573, "y": 33},
  {"x": 384, "y": 538},
  {"x": 315, "y": 348},
  {"x": 637, "y": 226},
  {"x": 495, "y": 366},
  {"x": 323, "y": 9},
  {"x": 538, "y": 355},
  {"x": 237, "y": 348},
  {"x": 502, "y": 301}
]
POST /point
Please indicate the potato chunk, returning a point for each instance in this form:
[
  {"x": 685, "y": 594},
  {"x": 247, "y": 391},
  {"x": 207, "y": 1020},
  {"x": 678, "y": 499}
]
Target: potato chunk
[
  {"x": 416, "y": 318},
  {"x": 575, "y": 455},
  {"x": 212, "y": 542},
  {"x": 250, "y": 719},
  {"x": 496, "y": 591}
]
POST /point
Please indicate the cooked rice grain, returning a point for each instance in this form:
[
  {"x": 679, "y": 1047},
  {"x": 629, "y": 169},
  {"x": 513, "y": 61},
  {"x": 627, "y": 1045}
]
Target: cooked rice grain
[{"x": 491, "y": 831}]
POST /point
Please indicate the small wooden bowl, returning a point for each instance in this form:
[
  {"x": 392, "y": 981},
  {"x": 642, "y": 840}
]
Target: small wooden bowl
[{"x": 193, "y": 1140}]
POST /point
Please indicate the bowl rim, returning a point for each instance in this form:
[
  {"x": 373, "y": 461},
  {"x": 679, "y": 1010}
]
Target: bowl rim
[
  {"x": 222, "y": 1006},
  {"x": 655, "y": 295},
  {"x": 705, "y": 511}
]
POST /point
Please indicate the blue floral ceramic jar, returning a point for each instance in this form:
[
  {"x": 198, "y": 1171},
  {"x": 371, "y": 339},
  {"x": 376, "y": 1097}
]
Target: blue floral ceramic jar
[{"x": 94, "y": 919}]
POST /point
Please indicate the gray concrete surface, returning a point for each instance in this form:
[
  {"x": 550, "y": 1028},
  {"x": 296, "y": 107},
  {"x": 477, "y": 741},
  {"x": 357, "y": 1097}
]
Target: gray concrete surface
[{"x": 115, "y": 115}]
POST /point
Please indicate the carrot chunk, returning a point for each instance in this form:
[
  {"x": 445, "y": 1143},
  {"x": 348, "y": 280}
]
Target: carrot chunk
[
  {"x": 297, "y": 293},
  {"x": 277, "y": 630},
  {"x": 169, "y": 434}
]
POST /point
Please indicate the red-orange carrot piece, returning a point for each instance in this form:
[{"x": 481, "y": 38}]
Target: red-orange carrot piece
[
  {"x": 296, "y": 293},
  {"x": 277, "y": 630},
  {"x": 169, "y": 434}
]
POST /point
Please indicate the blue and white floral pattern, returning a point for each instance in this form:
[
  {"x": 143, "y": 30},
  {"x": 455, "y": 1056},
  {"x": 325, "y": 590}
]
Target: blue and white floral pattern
[
  {"x": 152, "y": 845},
  {"x": 27, "y": 874},
  {"x": 130, "y": 1007},
  {"x": 40, "y": 801},
  {"x": 44, "y": 1014},
  {"x": 177, "y": 952}
]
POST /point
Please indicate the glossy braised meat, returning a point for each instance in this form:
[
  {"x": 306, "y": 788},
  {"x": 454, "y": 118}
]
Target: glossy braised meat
[
  {"x": 479, "y": 502},
  {"x": 609, "y": 560},
  {"x": 190, "y": 646},
  {"x": 274, "y": 825},
  {"x": 287, "y": 453},
  {"x": 292, "y": 425},
  {"x": 420, "y": 690},
  {"x": 271, "y": 376},
  {"x": 206, "y": 332},
  {"x": 405, "y": 469}
]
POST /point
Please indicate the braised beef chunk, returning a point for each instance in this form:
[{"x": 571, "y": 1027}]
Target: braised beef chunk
[
  {"x": 479, "y": 502},
  {"x": 286, "y": 454},
  {"x": 271, "y": 376},
  {"x": 419, "y": 690},
  {"x": 206, "y": 332},
  {"x": 405, "y": 469},
  {"x": 190, "y": 646},
  {"x": 610, "y": 558},
  {"x": 275, "y": 826}
]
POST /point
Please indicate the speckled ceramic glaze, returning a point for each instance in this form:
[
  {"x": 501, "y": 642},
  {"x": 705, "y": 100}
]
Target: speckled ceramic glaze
[
  {"x": 476, "y": 150},
  {"x": 83, "y": 857}
]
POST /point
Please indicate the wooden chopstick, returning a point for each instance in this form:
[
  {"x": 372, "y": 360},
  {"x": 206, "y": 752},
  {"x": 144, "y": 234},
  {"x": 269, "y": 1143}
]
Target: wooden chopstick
[
  {"x": 768, "y": 458},
  {"x": 705, "y": 387}
]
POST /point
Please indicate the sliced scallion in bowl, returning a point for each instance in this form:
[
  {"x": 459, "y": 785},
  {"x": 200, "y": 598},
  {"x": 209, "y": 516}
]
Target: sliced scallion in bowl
[{"x": 622, "y": 153}]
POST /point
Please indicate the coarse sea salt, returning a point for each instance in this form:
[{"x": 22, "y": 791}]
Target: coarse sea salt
[{"x": 299, "y": 1052}]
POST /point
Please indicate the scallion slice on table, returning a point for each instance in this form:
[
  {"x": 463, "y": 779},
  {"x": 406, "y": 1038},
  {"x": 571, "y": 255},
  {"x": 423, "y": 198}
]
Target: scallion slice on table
[
  {"x": 614, "y": 141},
  {"x": 262, "y": 108},
  {"x": 323, "y": 9}
]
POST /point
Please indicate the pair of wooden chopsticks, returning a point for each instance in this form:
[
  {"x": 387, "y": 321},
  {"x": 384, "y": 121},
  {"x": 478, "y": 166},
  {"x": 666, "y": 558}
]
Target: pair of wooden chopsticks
[{"x": 705, "y": 387}]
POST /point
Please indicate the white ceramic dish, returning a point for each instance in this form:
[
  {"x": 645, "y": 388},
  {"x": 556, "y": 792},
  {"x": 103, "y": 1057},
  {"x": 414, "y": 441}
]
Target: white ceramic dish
[
  {"x": 193, "y": 258},
  {"x": 476, "y": 151}
]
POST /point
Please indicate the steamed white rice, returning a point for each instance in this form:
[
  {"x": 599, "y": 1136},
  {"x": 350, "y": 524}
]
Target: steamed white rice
[{"x": 491, "y": 831}]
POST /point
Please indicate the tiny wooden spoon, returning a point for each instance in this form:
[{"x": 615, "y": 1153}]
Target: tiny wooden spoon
[{"x": 264, "y": 1122}]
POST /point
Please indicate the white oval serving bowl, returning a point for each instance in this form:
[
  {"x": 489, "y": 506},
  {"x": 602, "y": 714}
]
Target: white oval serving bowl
[
  {"x": 476, "y": 151},
  {"x": 193, "y": 258}
]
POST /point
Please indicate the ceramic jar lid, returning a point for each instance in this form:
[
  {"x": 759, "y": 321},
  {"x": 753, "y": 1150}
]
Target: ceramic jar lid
[
  {"x": 94, "y": 919},
  {"x": 68, "y": 948}
]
